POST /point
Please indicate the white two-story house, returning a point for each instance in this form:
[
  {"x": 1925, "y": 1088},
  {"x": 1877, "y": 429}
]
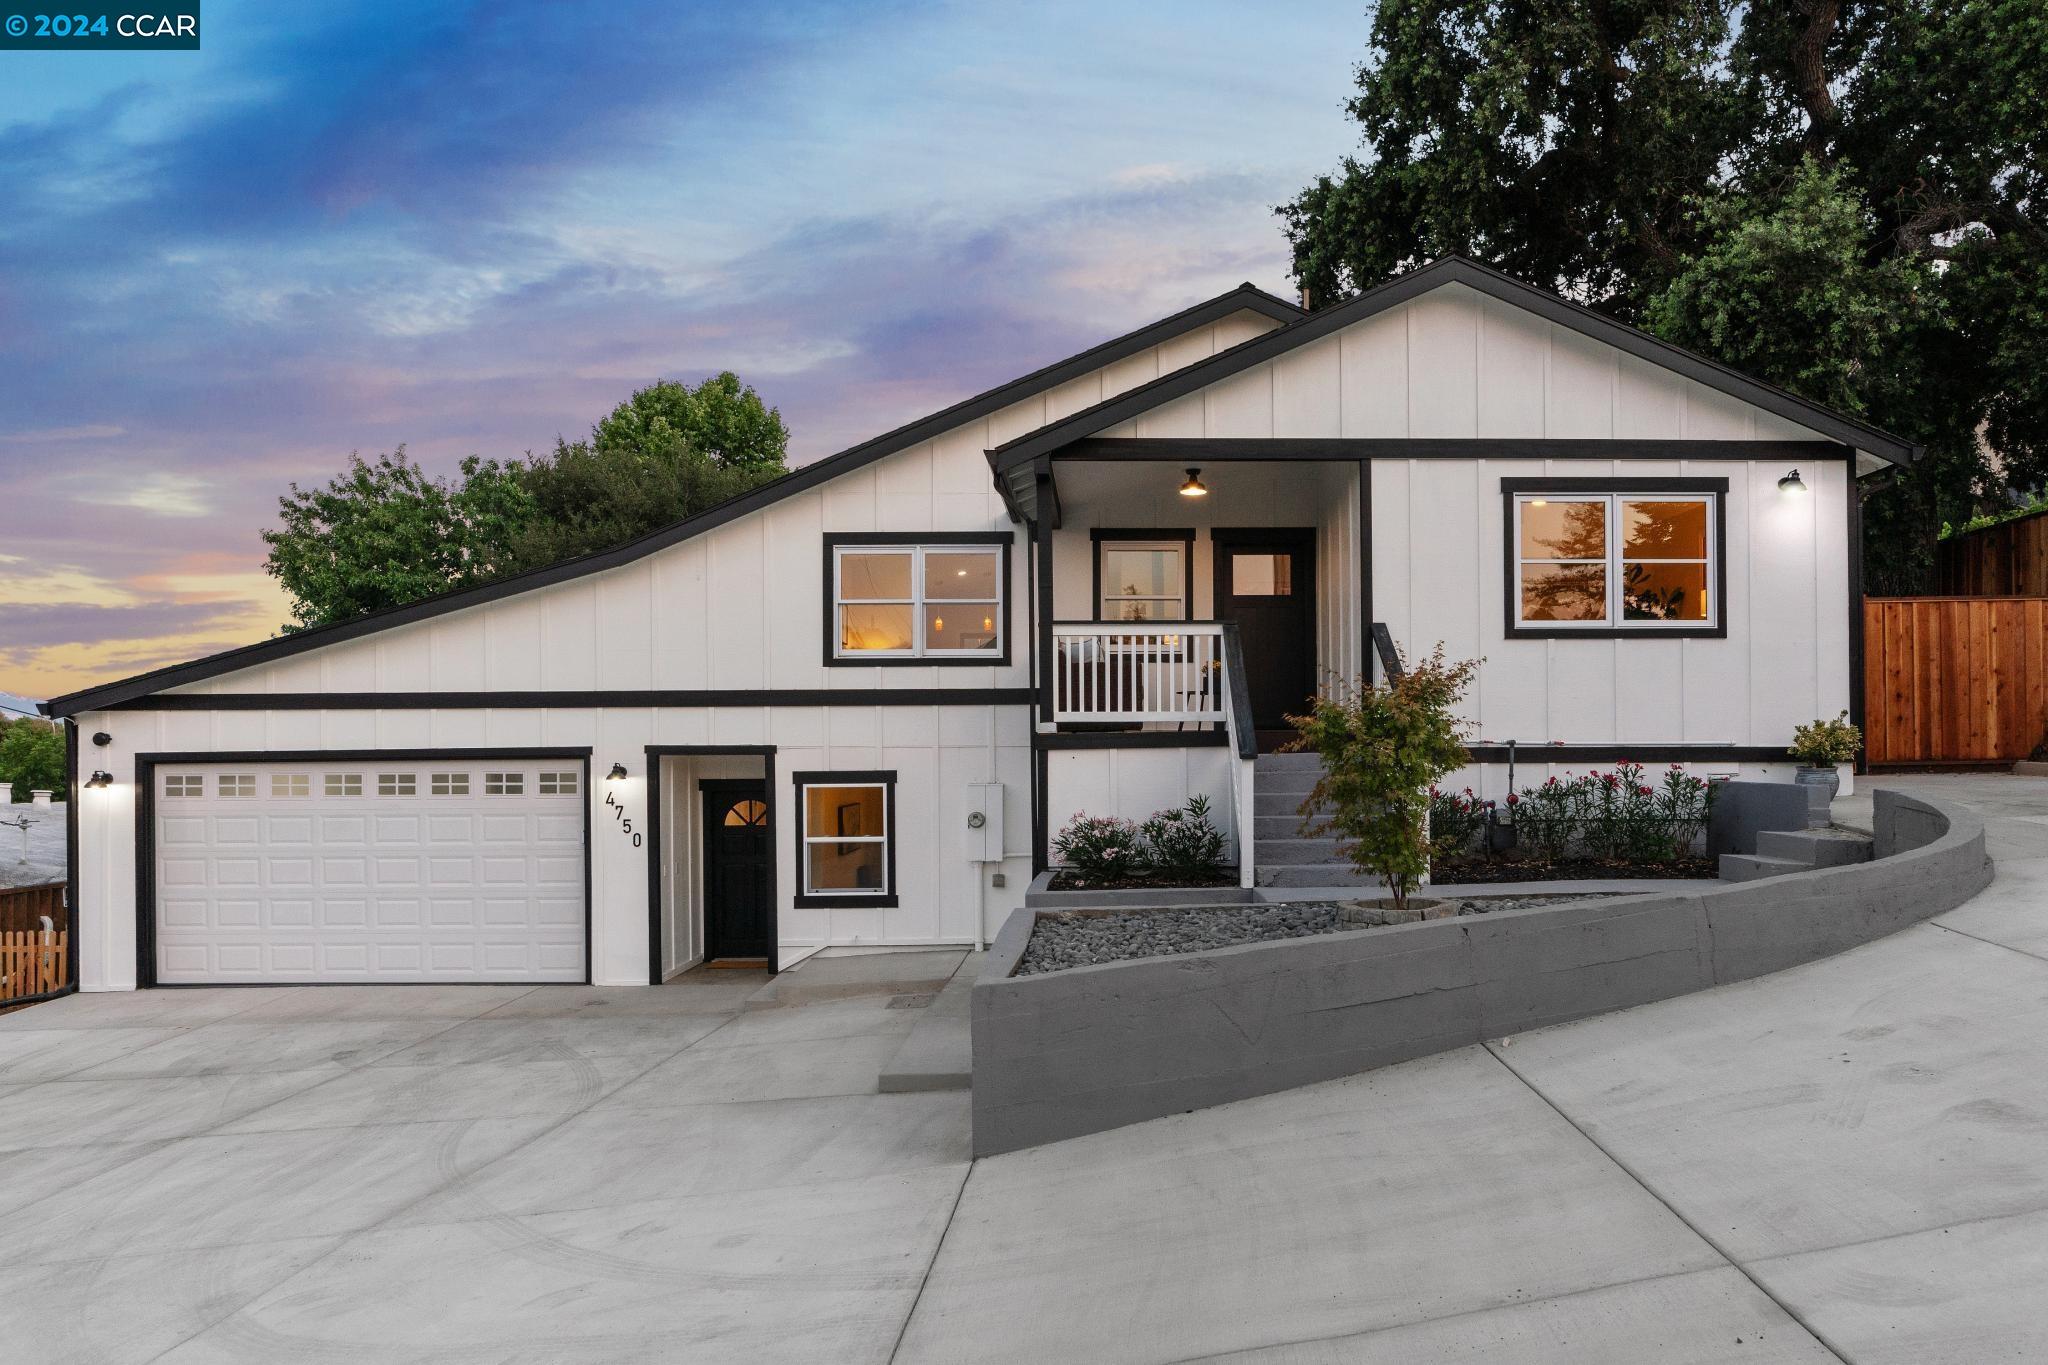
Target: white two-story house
[{"x": 853, "y": 706}]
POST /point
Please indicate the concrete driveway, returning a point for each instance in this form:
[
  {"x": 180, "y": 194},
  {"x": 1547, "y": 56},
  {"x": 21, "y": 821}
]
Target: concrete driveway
[{"x": 1848, "y": 1160}]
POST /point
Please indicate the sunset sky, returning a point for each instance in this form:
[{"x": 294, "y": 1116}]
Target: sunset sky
[{"x": 348, "y": 227}]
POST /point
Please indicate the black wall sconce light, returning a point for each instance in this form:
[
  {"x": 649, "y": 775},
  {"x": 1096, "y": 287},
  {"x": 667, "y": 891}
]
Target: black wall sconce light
[
  {"x": 1792, "y": 484},
  {"x": 618, "y": 771},
  {"x": 100, "y": 778}
]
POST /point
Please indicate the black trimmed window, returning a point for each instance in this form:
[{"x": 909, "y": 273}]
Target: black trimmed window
[
  {"x": 1602, "y": 558},
  {"x": 845, "y": 839},
  {"x": 917, "y": 598},
  {"x": 1144, "y": 574}
]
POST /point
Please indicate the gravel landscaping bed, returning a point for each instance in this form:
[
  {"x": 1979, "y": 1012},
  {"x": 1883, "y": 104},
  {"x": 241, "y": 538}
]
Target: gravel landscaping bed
[{"x": 1082, "y": 939}]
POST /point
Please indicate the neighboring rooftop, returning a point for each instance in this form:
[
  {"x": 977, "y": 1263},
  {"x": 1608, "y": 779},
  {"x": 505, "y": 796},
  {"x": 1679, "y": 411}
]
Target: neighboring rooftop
[{"x": 46, "y": 845}]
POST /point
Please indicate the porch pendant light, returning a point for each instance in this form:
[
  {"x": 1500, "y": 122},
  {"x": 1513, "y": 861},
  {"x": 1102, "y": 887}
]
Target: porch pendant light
[
  {"x": 1194, "y": 487},
  {"x": 1792, "y": 484}
]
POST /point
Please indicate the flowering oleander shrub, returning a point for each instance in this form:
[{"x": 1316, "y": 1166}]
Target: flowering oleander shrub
[
  {"x": 1101, "y": 847},
  {"x": 1455, "y": 819},
  {"x": 1183, "y": 842},
  {"x": 1618, "y": 815}
]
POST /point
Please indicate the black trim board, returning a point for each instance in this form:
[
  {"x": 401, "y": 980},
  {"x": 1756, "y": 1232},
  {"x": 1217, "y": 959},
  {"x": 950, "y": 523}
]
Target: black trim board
[
  {"x": 835, "y": 541},
  {"x": 530, "y": 701},
  {"x": 655, "y": 753},
  {"x": 1510, "y": 568},
  {"x": 1634, "y": 753},
  {"x": 886, "y": 778},
  {"x": 1856, "y": 644},
  {"x": 1131, "y": 739},
  {"x": 1051, "y": 438},
  {"x": 71, "y": 786},
  {"x": 1244, "y": 298},
  {"x": 146, "y": 765},
  {"x": 1208, "y": 450},
  {"x": 1366, "y": 624}
]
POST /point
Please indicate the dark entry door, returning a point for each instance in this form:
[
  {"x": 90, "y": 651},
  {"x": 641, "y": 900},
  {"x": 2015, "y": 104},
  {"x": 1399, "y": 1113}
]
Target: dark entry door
[
  {"x": 738, "y": 849},
  {"x": 1265, "y": 582}
]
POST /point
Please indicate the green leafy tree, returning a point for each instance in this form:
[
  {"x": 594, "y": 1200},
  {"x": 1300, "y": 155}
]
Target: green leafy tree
[
  {"x": 1384, "y": 747},
  {"x": 1841, "y": 196},
  {"x": 721, "y": 417},
  {"x": 385, "y": 532},
  {"x": 32, "y": 757}
]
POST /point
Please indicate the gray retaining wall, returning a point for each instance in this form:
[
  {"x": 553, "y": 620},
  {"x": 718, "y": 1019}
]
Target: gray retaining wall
[{"x": 1065, "y": 1053}]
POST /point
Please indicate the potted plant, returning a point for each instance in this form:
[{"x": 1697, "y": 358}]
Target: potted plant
[
  {"x": 1383, "y": 746},
  {"x": 1820, "y": 746}
]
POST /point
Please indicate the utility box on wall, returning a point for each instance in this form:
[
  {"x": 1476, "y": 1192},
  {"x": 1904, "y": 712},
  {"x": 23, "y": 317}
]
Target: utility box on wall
[{"x": 982, "y": 825}]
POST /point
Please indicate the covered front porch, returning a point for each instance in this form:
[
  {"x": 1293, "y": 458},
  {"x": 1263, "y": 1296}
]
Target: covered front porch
[{"x": 1185, "y": 598}]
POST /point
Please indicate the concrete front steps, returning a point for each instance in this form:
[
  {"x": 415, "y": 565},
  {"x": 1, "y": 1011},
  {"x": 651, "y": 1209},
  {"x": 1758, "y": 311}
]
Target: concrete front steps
[
  {"x": 1281, "y": 856},
  {"x": 1782, "y": 851},
  {"x": 939, "y": 1052}
]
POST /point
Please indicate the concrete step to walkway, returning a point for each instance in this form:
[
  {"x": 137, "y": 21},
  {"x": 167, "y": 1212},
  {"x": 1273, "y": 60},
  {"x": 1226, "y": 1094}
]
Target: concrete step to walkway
[
  {"x": 1751, "y": 867},
  {"x": 1286, "y": 826},
  {"x": 1342, "y": 876},
  {"x": 1815, "y": 847},
  {"x": 843, "y": 977},
  {"x": 938, "y": 1054},
  {"x": 1297, "y": 852},
  {"x": 1299, "y": 781},
  {"x": 1277, "y": 803}
]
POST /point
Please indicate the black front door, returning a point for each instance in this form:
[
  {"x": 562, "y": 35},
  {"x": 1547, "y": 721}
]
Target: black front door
[
  {"x": 1265, "y": 582},
  {"x": 739, "y": 847}
]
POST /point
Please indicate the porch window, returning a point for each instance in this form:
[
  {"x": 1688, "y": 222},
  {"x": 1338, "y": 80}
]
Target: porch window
[
  {"x": 1143, "y": 577},
  {"x": 1586, "y": 556},
  {"x": 935, "y": 600},
  {"x": 846, "y": 851}
]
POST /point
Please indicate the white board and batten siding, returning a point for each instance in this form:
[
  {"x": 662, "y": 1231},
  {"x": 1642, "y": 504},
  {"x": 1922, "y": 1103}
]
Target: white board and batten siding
[
  {"x": 1454, "y": 364},
  {"x": 738, "y": 608}
]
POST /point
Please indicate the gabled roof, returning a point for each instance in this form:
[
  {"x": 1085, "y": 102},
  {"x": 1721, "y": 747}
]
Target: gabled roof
[
  {"x": 1245, "y": 298},
  {"x": 1022, "y": 452}
]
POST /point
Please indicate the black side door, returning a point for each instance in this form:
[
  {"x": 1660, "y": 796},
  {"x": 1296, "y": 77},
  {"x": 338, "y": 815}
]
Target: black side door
[
  {"x": 1265, "y": 582},
  {"x": 738, "y": 847}
]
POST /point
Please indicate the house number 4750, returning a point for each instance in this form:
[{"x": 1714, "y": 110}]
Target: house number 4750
[{"x": 619, "y": 815}]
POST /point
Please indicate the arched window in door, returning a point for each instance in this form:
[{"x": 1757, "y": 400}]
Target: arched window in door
[{"x": 746, "y": 812}]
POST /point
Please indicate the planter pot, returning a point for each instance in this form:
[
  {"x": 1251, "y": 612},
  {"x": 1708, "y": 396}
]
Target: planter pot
[
  {"x": 1821, "y": 785},
  {"x": 1378, "y": 910}
]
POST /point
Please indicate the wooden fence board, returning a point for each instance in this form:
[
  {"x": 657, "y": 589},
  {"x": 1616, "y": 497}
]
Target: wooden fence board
[
  {"x": 32, "y": 963},
  {"x": 2006, "y": 560},
  {"x": 1954, "y": 679}
]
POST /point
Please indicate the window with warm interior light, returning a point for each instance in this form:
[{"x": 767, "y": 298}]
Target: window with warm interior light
[
  {"x": 1614, "y": 562},
  {"x": 1143, "y": 580},
  {"x": 844, "y": 850},
  {"x": 927, "y": 601}
]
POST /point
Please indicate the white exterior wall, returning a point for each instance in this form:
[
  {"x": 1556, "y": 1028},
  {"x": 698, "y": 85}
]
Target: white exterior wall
[
  {"x": 1134, "y": 783},
  {"x": 738, "y": 608},
  {"x": 1456, "y": 364}
]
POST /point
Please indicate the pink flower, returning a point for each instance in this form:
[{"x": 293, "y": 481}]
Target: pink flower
[
  {"x": 1642, "y": 791},
  {"x": 1514, "y": 800}
]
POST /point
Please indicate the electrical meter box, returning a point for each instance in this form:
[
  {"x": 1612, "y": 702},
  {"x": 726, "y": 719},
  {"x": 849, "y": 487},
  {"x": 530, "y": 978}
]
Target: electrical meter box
[{"x": 983, "y": 822}]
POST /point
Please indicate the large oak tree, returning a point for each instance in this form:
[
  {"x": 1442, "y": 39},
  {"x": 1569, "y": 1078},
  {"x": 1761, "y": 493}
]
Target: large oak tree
[{"x": 1843, "y": 197}]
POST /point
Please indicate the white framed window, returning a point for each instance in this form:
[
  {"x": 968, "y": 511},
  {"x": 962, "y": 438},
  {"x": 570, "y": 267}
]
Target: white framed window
[
  {"x": 558, "y": 784},
  {"x": 1142, "y": 580},
  {"x": 237, "y": 784},
  {"x": 845, "y": 838},
  {"x": 184, "y": 784},
  {"x": 291, "y": 784},
  {"x": 1614, "y": 562},
  {"x": 450, "y": 784},
  {"x": 936, "y": 601},
  {"x": 342, "y": 784},
  {"x": 397, "y": 784},
  {"x": 504, "y": 784}
]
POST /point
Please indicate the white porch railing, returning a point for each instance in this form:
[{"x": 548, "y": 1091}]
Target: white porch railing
[{"x": 1162, "y": 672}]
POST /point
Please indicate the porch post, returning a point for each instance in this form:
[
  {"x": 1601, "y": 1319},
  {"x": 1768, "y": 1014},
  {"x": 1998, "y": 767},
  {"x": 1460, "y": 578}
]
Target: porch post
[{"x": 1042, "y": 508}]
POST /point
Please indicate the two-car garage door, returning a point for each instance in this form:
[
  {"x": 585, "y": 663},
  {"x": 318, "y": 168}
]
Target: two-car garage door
[{"x": 370, "y": 870}]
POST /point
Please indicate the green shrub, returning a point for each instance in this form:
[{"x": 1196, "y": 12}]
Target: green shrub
[
  {"x": 1183, "y": 842},
  {"x": 1101, "y": 848},
  {"x": 1824, "y": 743},
  {"x": 1383, "y": 747},
  {"x": 1455, "y": 819},
  {"x": 1615, "y": 815}
]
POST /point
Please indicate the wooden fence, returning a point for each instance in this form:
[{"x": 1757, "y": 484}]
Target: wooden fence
[
  {"x": 2006, "y": 560},
  {"x": 1954, "y": 679},
  {"x": 34, "y": 961}
]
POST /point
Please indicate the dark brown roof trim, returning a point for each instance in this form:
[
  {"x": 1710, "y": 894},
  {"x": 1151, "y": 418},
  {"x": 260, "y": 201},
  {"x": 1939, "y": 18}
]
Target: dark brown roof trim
[
  {"x": 1399, "y": 290},
  {"x": 1245, "y": 298}
]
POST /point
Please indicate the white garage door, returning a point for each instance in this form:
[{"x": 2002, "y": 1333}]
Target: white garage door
[{"x": 371, "y": 870}]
